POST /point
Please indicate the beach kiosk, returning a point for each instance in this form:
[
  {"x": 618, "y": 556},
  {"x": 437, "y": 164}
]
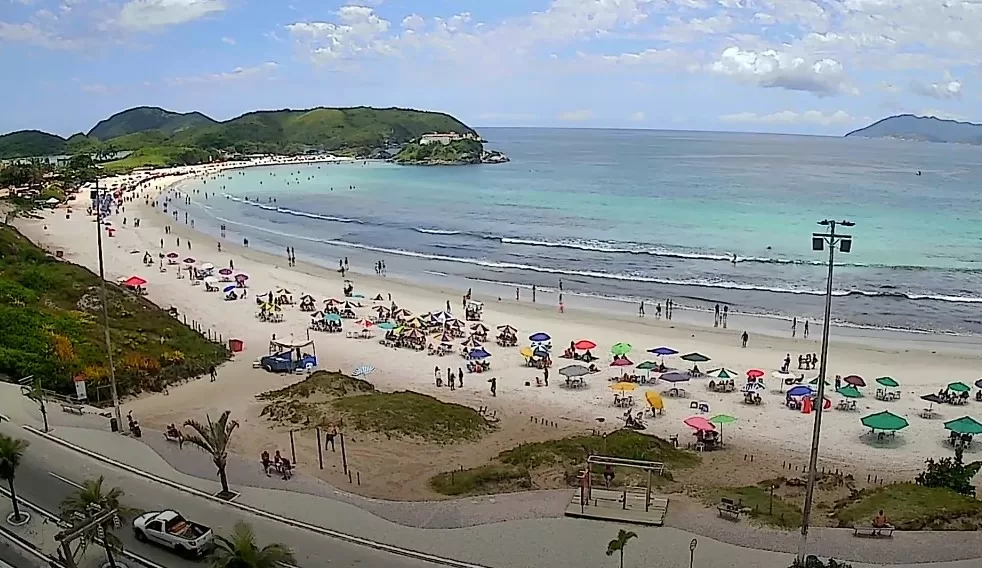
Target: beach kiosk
[
  {"x": 473, "y": 310},
  {"x": 289, "y": 355}
]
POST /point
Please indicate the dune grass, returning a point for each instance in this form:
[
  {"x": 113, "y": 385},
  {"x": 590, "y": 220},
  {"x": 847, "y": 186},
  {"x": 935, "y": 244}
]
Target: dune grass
[
  {"x": 912, "y": 507},
  {"x": 763, "y": 510},
  {"x": 567, "y": 456}
]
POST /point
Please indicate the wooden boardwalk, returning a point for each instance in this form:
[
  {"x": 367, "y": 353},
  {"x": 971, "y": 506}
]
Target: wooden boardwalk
[{"x": 608, "y": 505}]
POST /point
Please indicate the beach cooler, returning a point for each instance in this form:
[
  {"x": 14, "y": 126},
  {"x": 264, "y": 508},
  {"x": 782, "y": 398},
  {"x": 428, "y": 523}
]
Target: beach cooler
[{"x": 236, "y": 345}]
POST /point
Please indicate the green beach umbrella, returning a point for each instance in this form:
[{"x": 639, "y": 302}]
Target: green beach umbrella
[
  {"x": 850, "y": 392},
  {"x": 888, "y": 382},
  {"x": 621, "y": 348},
  {"x": 722, "y": 373},
  {"x": 964, "y": 425},
  {"x": 959, "y": 387},
  {"x": 695, "y": 358},
  {"x": 647, "y": 365},
  {"x": 886, "y": 421},
  {"x": 720, "y": 420},
  {"x": 814, "y": 381}
]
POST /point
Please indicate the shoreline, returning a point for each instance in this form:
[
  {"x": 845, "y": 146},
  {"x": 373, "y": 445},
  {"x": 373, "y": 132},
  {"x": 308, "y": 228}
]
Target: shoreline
[{"x": 769, "y": 429}]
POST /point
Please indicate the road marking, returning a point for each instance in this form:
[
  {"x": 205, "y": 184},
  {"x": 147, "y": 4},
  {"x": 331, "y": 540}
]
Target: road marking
[
  {"x": 392, "y": 549},
  {"x": 62, "y": 479}
]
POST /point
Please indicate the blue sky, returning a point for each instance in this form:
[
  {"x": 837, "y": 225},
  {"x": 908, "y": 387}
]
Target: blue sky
[{"x": 803, "y": 66}]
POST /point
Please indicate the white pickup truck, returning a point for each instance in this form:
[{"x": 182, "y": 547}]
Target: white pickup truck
[{"x": 170, "y": 529}]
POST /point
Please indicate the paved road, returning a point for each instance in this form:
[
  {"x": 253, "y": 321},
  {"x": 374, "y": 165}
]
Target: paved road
[
  {"x": 12, "y": 558},
  {"x": 36, "y": 484}
]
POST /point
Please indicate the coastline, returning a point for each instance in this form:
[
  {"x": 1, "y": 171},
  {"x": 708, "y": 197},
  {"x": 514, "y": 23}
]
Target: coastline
[{"x": 771, "y": 429}]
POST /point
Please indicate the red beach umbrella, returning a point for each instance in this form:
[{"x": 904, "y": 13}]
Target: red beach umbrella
[
  {"x": 134, "y": 281},
  {"x": 699, "y": 423},
  {"x": 622, "y": 362},
  {"x": 854, "y": 380},
  {"x": 755, "y": 373},
  {"x": 584, "y": 344}
]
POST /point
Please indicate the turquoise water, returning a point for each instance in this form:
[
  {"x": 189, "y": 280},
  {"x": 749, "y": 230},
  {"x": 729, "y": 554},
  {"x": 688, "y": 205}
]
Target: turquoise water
[{"x": 645, "y": 214}]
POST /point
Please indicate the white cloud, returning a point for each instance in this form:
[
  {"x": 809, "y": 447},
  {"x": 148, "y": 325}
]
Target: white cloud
[
  {"x": 948, "y": 88},
  {"x": 239, "y": 73},
  {"x": 34, "y": 34},
  {"x": 141, "y": 15},
  {"x": 228, "y": 40},
  {"x": 360, "y": 31},
  {"x": 648, "y": 56},
  {"x": 413, "y": 22},
  {"x": 637, "y": 116},
  {"x": 814, "y": 117},
  {"x": 770, "y": 68},
  {"x": 942, "y": 114},
  {"x": 576, "y": 115}
]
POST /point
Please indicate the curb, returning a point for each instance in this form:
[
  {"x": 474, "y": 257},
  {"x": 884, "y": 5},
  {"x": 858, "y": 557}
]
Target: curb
[{"x": 380, "y": 546}]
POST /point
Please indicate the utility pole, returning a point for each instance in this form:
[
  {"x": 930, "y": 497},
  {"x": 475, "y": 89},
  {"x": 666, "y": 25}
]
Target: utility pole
[
  {"x": 97, "y": 201},
  {"x": 819, "y": 242}
]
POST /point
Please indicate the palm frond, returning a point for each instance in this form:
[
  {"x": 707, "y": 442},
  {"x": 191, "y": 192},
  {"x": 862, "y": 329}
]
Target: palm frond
[
  {"x": 11, "y": 452},
  {"x": 240, "y": 550},
  {"x": 212, "y": 437}
]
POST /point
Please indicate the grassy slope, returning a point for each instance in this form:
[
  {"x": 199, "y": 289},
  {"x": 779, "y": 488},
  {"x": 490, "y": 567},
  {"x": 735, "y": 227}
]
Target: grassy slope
[
  {"x": 50, "y": 326},
  {"x": 912, "y": 507},
  {"x": 30, "y": 143}
]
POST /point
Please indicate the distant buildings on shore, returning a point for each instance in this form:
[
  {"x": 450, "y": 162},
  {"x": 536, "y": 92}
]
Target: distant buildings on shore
[{"x": 446, "y": 137}]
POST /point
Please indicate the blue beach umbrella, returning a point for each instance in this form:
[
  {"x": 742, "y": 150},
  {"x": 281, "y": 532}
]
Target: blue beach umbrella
[
  {"x": 674, "y": 377},
  {"x": 540, "y": 336},
  {"x": 228, "y": 288},
  {"x": 479, "y": 354},
  {"x": 801, "y": 390},
  {"x": 663, "y": 351}
]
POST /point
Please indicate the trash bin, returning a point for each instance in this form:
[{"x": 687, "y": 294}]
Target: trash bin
[
  {"x": 114, "y": 424},
  {"x": 235, "y": 345}
]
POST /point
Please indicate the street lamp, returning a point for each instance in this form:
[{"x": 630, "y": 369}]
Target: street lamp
[
  {"x": 844, "y": 244},
  {"x": 105, "y": 306}
]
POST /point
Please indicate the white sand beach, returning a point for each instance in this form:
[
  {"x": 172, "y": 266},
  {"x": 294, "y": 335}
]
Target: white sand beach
[{"x": 770, "y": 429}]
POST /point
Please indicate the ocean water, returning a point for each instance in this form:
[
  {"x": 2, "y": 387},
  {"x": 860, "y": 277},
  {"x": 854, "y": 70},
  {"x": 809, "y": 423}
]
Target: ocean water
[{"x": 648, "y": 215}]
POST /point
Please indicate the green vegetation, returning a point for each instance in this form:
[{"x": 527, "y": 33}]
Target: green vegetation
[
  {"x": 456, "y": 152},
  {"x": 239, "y": 550},
  {"x": 156, "y": 156},
  {"x": 51, "y": 327},
  {"x": 30, "y": 143},
  {"x": 517, "y": 466},
  {"x": 326, "y": 397},
  {"x": 912, "y": 507},
  {"x": 618, "y": 544},
  {"x": 779, "y": 513},
  {"x": 141, "y": 119},
  {"x": 213, "y": 437},
  {"x": 11, "y": 452},
  {"x": 951, "y": 473}
]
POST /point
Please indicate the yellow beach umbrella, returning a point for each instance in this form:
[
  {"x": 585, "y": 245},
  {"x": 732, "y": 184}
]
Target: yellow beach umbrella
[
  {"x": 526, "y": 352},
  {"x": 623, "y": 387},
  {"x": 654, "y": 400}
]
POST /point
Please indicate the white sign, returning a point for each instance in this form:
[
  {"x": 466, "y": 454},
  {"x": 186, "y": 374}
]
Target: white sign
[{"x": 80, "y": 390}]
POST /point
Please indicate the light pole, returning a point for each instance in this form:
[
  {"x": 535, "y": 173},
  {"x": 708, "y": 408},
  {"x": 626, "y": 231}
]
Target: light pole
[
  {"x": 105, "y": 306},
  {"x": 844, "y": 244}
]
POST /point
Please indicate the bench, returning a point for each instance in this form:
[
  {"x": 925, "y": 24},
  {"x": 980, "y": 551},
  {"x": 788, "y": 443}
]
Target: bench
[
  {"x": 72, "y": 408},
  {"x": 870, "y": 531},
  {"x": 728, "y": 509}
]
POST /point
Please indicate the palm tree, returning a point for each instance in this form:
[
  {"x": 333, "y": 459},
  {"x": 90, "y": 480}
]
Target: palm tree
[
  {"x": 620, "y": 543},
  {"x": 11, "y": 450},
  {"x": 240, "y": 551},
  {"x": 213, "y": 438},
  {"x": 91, "y": 499}
]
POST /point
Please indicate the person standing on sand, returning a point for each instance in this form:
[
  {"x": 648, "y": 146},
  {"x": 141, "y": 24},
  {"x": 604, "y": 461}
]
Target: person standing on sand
[
  {"x": 806, "y": 329},
  {"x": 545, "y": 375},
  {"x": 533, "y": 293},
  {"x": 213, "y": 373},
  {"x": 745, "y": 337},
  {"x": 787, "y": 363},
  {"x": 460, "y": 375},
  {"x": 641, "y": 309},
  {"x": 716, "y": 318},
  {"x": 494, "y": 386},
  {"x": 726, "y": 315},
  {"x": 516, "y": 293},
  {"x": 794, "y": 326}
]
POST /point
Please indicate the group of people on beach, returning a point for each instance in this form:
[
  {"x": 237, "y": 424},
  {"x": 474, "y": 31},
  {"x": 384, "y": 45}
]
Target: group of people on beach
[{"x": 669, "y": 306}]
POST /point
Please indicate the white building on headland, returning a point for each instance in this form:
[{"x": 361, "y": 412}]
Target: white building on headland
[{"x": 445, "y": 137}]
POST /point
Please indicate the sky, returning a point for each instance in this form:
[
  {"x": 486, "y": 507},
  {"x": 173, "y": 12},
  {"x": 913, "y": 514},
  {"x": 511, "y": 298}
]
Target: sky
[{"x": 795, "y": 66}]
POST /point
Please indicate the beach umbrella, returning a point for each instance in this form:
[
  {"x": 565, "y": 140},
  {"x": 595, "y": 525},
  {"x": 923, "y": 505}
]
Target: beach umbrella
[
  {"x": 784, "y": 375},
  {"x": 415, "y": 323},
  {"x": 574, "y": 371},
  {"x": 134, "y": 281},
  {"x": 189, "y": 260},
  {"x": 228, "y": 289},
  {"x": 752, "y": 387},
  {"x": 699, "y": 423},
  {"x": 332, "y": 302},
  {"x": 932, "y": 398},
  {"x": 386, "y": 325},
  {"x": 850, "y": 391},
  {"x": 584, "y": 345},
  {"x": 621, "y": 348},
  {"x": 663, "y": 351},
  {"x": 306, "y": 297},
  {"x": 446, "y": 338},
  {"x": 654, "y": 400},
  {"x": 964, "y": 425},
  {"x": 978, "y": 383},
  {"x": 471, "y": 343},
  {"x": 540, "y": 351},
  {"x": 526, "y": 352},
  {"x": 888, "y": 382},
  {"x": 210, "y": 280},
  {"x": 800, "y": 390},
  {"x": 622, "y": 362},
  {"x": 241, "y": 277},
  {"x": 623, "y": 387},
  {"x": 172, "y": 255},
  {"x": 480, "y": 327},
  {"x": 332, "y": 317},
  {"x": 647, "y": 365},
  {"x": 755, "y": 373},
  {"x": 363, "y": 371},
  {"x": 210, "y": 266},
  {"x": 225, "y": 272},
  {"x": 854, "y": 380},
  {"x": 674, "y": 377},
  {"x": 380, "y": 310},
  {"x": 722, "y": 420},
  {"x": 959, "y": 387},
  {"x": 479, "y": 354},
  {"x": 539, "y": 337},
  {"x": 507, "y": 329},
  {"x": 721, "y": 373},
  {"x": 885, "y": 421},
  {"x": 695, "y": 358},
  {"x": 364, "y": 323}
]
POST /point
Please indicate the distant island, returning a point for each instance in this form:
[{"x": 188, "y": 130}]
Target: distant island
[
  {"x": 922, "y": 128},
  {"x": 152, "y": 137}
]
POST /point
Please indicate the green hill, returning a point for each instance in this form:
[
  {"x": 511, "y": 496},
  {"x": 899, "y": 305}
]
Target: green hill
[
  {"x": 30, "y": 143},
  {"x": 141, "y": 119}
]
